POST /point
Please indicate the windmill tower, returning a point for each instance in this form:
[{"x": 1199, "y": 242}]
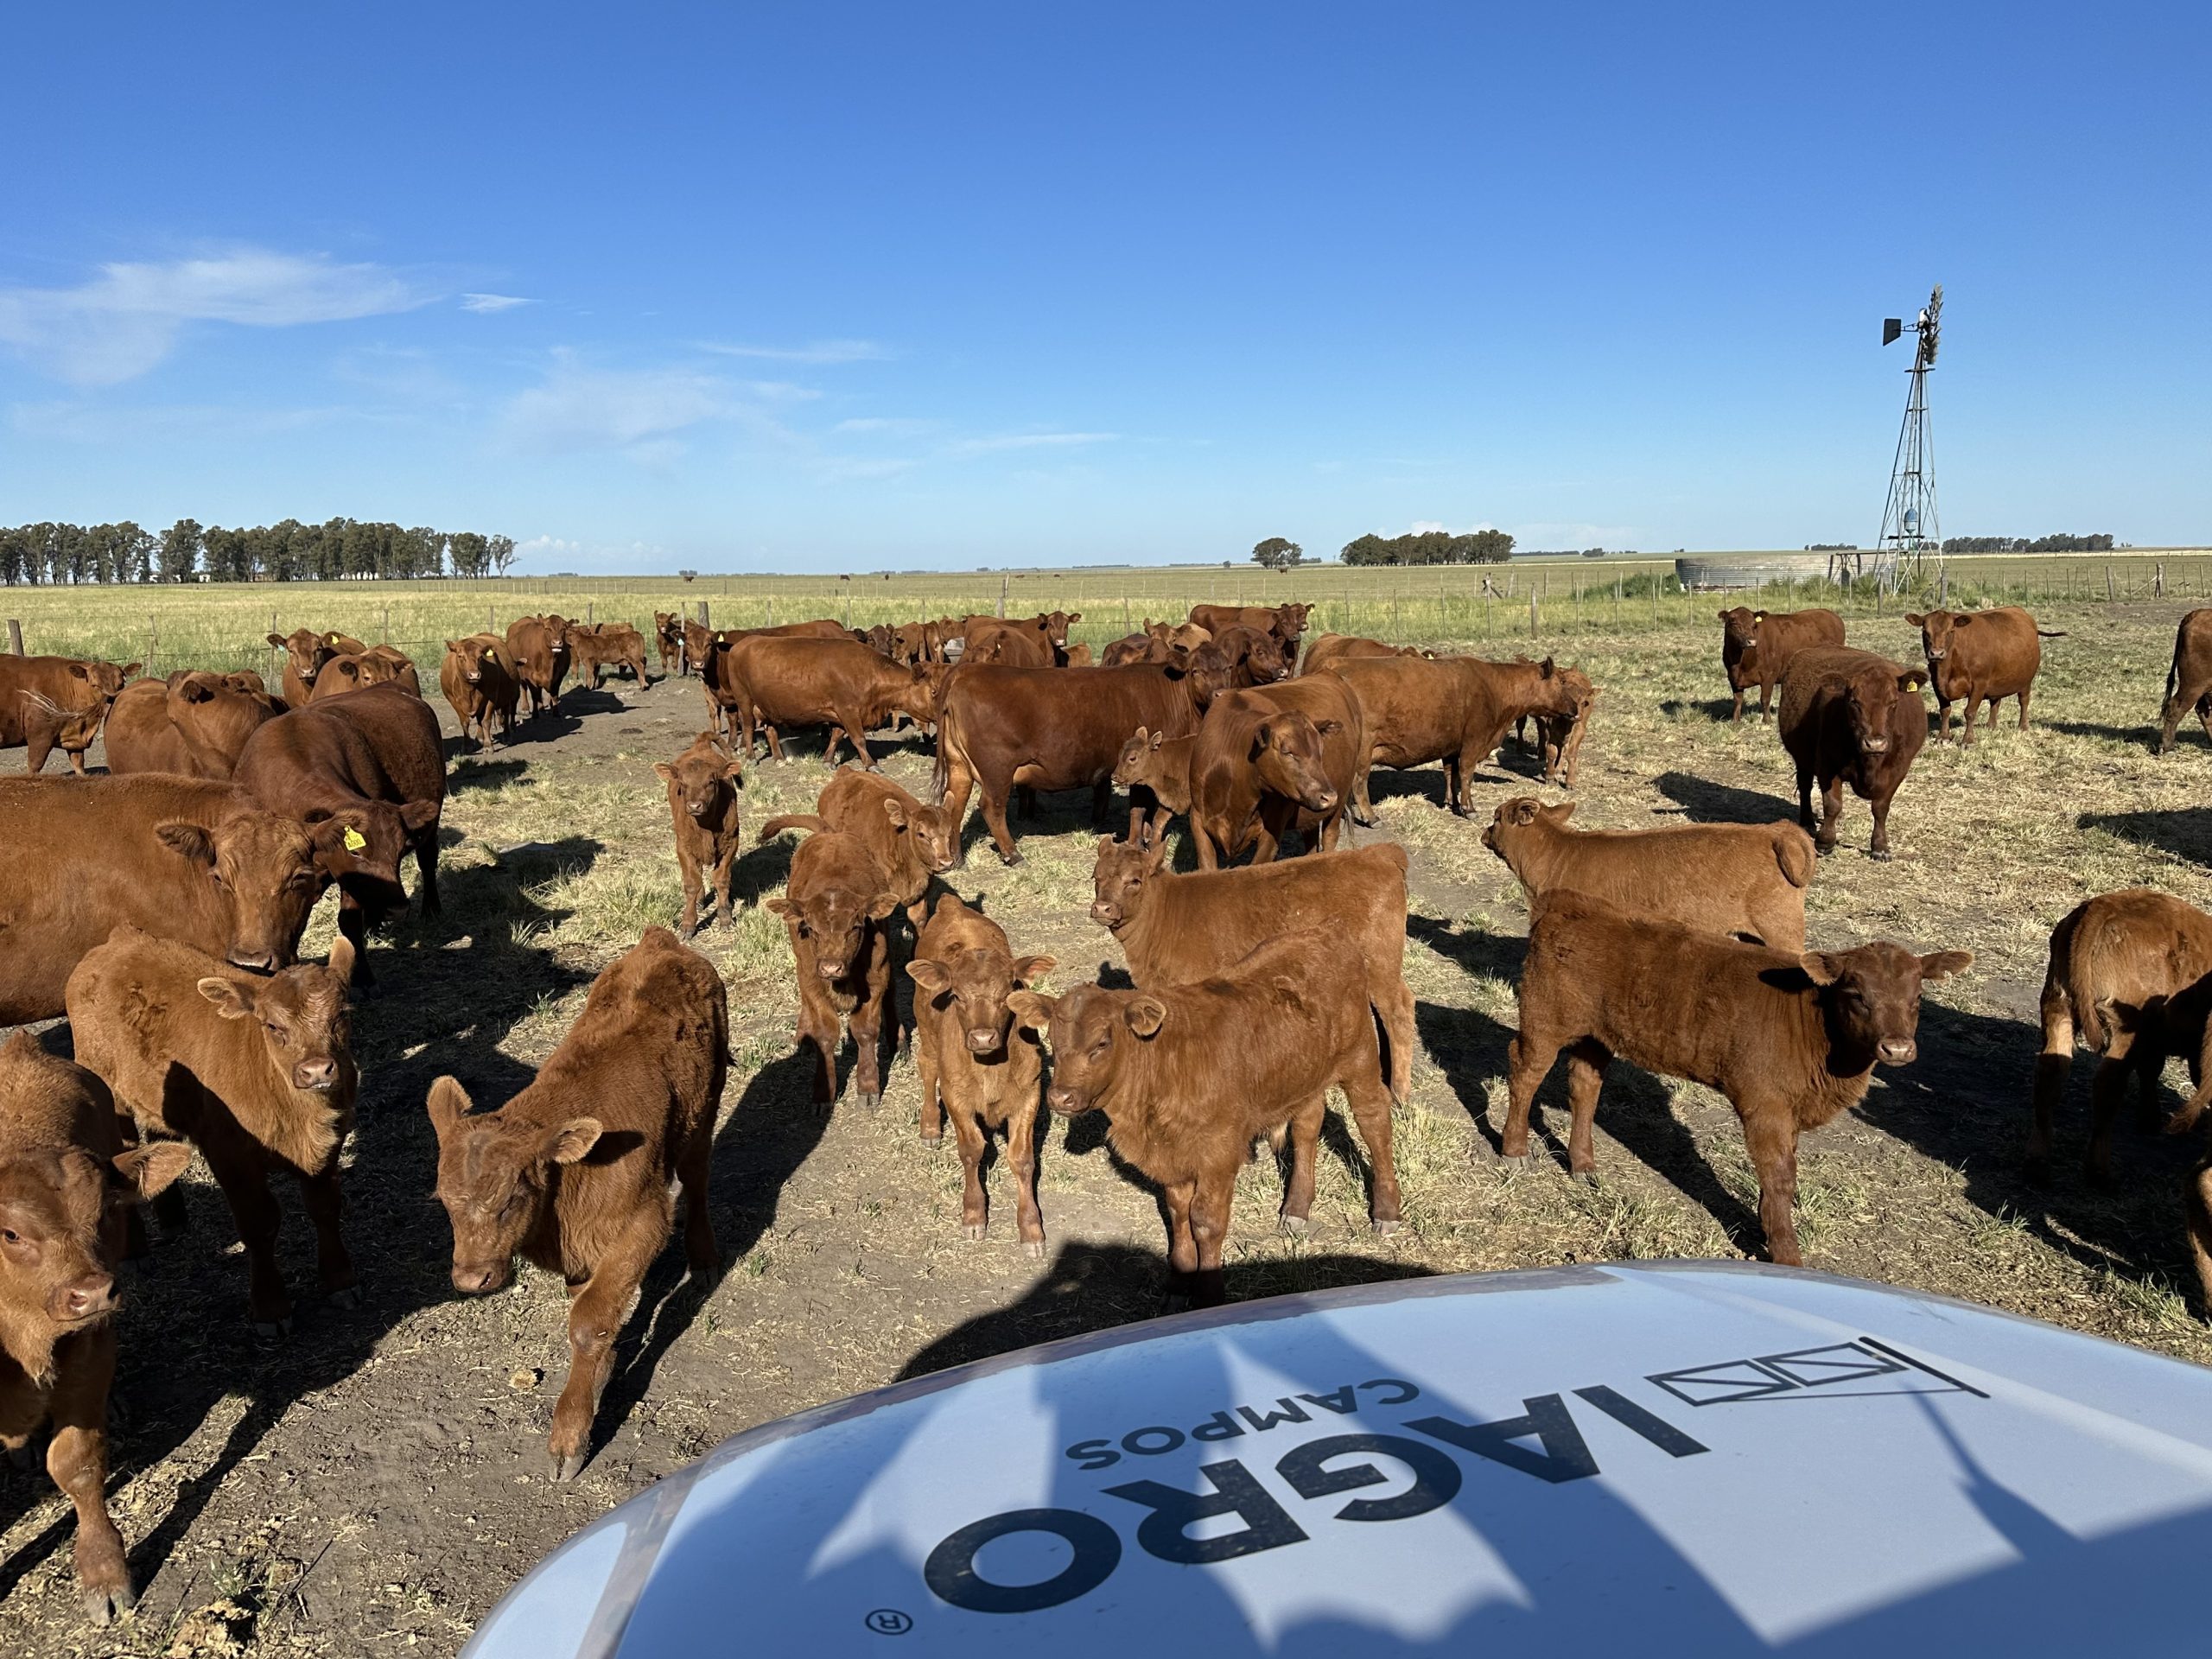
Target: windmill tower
[{"x": 1910, "y": 526}]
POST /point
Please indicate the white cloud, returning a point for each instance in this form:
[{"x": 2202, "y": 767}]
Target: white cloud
[
  {"x": 174, "y": 424},
  {"x": 781, "y": 392},
  {"x": 1029, "y": 440},
  {"x": 127, "y": 319},
  {"x": 818, "y": 351},
  {"x": 637, "y": 409},
  {"x": 841, "y": 469},
  {"x": 484, "y": 303}
]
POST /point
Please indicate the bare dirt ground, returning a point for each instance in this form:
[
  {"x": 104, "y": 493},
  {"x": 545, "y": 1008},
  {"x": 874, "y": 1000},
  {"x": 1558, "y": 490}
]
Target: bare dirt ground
[{"x": 377, "y": 1480}]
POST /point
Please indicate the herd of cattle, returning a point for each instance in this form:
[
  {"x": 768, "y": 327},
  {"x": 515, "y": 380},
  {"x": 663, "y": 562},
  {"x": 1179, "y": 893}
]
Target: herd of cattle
[{"x": 159, "y": 907}]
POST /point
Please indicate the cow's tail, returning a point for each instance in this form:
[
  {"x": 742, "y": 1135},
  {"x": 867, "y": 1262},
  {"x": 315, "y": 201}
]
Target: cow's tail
[
  {"x": 948, "y": 739},
  {"x": 2079, "y": 980},
  {"x": 2173, "y": 676},
  {"x": 776, "y": 826}
]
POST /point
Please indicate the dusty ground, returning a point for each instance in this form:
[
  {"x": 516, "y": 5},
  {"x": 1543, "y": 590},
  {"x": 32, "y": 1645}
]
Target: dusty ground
[{"x": 376, "y": 1480}]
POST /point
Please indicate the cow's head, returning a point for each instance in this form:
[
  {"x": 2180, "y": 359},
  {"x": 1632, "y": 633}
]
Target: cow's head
[
  {"x": 99, "y": 682},
  {"x": 1870, "y": 697},
  {"x": 57, "y": 1263},
  {"x": 1740, "y": 627},
  {"x": 934, "y": 832},
  {"x": 1516, "y": 820},
  {"x": 1118, "y": 880},
  {"x": 1870, "y": 996},
  {"x": 361, "y": 844},
  {"x": 265, "y": 872},
  {"x": 1093, "y": 1034},
  {"x": 1287, "y": 751},
  {"x": 473, "y": 655},
  {"x": 1290, "y": 621},
  {"x": 704, "y": 780},
  {"x": 495, "y": 1178},
  {"x": 835, "y": 914},
  {"x": 1141, "y": 761},
  {"x": 1056, "y": 626},
  {"x": 343, "y": 674},
  {"x": 1937, "y": 629},
  {"x": 306, "y": 1027},
  {"x": 973, "y": 984},
  {"x": 305, "y": 651}
]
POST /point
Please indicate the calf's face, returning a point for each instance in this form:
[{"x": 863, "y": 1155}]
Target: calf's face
[
  {"x": 1871, "y": 996},
  {"x": 703, "y": 777},
  {"x": 55, "y": 1265},
  {"x": 834, "y": 922},
  {"x": 1119, "y": 879},
  {"x": 977, "y": 983},
  {"x": 471, "y": 655},
  {"x": 306, "y": 1024},
  {"x": 1740, "y": 627},
  {"x": 933, "y": 831},
  {"x": 1140, "y": 762},
  {"x": 305, "y": 652},
  {"x": 265, "y": 870},
  {"x": 1092, "y": 1033},
  {"x": 1515, "y": 822},
  {"x": 1871, "y": 698},
  {"x": 1287, "y": 752},
  {"x": 362, "y": 845},
  {"x": 495, "y": 1176}
]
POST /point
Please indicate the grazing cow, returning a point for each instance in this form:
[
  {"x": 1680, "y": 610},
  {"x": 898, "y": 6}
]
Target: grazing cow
[
  {"x": 478, "y": 679},
  {"x": 575, "y": 1173},
  {"x": 704, "y": 809},
  {"x": 834, "y": 909},
  {"x": 1456, "y": 709},
  {"x": 64, "y": 1179},
  {"x": 538, "y": 647},
  {"x": 56, "y": 702},
  {"x": 1330, "y": 648},
  {"x": 668, "y": 641},
  {"x": 371, "y": 762},
  {"x": 1267, "y": 760},
  {"x": 975, "y": 1064},
  {"x": 2189, "y": 682},
  {"x": 610, "y": 644},
  {"x": 1285, "y": 622},
  {"x": 1977, "y": 655},
  {"x": 182, "y": 858},
  {"x": 840, "y": 684},
  {"x": 1743, "y": 881},
  {"x": 1756, "y": 647},
  {"x": 305, "y": 652},
  {"x": 192, "y": 724},
  {"x": 910, "y": 842},
  {"x": 1049, "y": 728},
  {"x": 1849, "y": 716},
  {"x": 2122, "y": 965},
  {"x": 1791, "y": 1039},
  {"x": 1559, "y": 737},
  {"x": 1189, "y": 1075},
  {"x": 255, "y": 1072},
  {"x": 1173, "y": 928},
  {"x": 378, "y": 665}
]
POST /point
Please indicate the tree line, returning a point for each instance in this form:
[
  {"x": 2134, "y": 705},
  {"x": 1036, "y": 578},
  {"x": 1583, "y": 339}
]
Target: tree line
[
  {"x": 290, "y": 551},
  {"x": 2062, "y": 543},
  {"x": 1431, "y": 547}
]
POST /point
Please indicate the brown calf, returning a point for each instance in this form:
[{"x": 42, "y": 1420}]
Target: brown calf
[
  {"x": 183, "y": 858},
  {"x": 1038, "y": 641},
  {"x": 257, "y": 1073},
  {"x": 834, "y": 909},
  {"x": 538, "y": 647},
  {"x": 305, "y": 652},
  {"x": 1189, "y": 1075},
  {"x": 574, "y": 1173},
  {"x": 910, "y": 842},
  {"x": 1269, "y": 760},
  {"x": 1743, "y": 880},
  {"x": 1255, "y": 656},
  {"x": 1849, "y": 716},
  {"x": 610, "y": 644},
  {"x": 975, "y": 1064},
  {"x": 56, "y": 702},
  {"x": 1285, "y": 622},
  {"x": 1974, "y": 655},
  {"x": 64, "y": 1178},
  {"x": 2189, "y": 682},
  {"x": 1155, "y": 761},
  {"x": 668, "y": 641},
  {"x": 192, "y": 724},
  {"x": 1456, "y": 709},
  {"x": 1558, "y": 746},
  {"x": 378, "y": 665},
  {"x": 704, "y": 809},
  {"x": 478, "y": 679},
  {"x": 1756, "y": 647},
  {"x": 1791, "y": 1039}
]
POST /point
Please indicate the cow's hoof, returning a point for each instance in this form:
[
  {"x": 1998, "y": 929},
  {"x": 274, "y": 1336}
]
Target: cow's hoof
[
  {"x": 348, "y": 1297},
  {"x": 1514, "y": 1160},
  {"x": 1880, "y": 855},
  {"x": 1033, "y": 1249},
  {"x": 1009, "y": 859},
  {"x": 972, "y": 1230},
  {"x": 934, "y": 1142},
  {"x": 101, "y": 1606},
  {"x": 1385, "y": 1228},
  {"x": 1294, "y": 1225},
  {"x": 1588, "y": 1177},
  {"x": 869, "y": 1103},
  {"x": 272, "y": 1330},
  {"x": 565, "y": 1467}
]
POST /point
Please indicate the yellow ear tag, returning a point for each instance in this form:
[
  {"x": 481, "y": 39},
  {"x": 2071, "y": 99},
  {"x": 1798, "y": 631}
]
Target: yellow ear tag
[{"x": 354, "y": 839}]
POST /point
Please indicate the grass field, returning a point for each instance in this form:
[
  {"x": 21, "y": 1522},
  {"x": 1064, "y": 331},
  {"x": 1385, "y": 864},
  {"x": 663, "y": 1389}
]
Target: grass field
[{"x": 374, "y": 1481}]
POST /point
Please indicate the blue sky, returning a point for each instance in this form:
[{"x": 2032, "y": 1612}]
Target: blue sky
[{"x": 854, "y": 287}]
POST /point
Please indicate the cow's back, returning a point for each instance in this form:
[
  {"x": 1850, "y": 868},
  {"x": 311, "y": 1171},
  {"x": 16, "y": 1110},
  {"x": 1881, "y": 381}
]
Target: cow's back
[
  {"x": 1998, "y": 656},
  {"x": 1072, "y": 719},
  {"x": 1200, "y": 923}
]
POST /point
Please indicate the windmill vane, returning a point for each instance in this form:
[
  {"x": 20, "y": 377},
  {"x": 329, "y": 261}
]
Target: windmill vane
[{"x": 1911, "y": 528}]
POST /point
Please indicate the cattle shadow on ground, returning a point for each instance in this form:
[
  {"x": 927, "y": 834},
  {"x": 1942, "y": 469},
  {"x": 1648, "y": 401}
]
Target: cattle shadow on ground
[
  {"x": 1059, "y": 811},
  {"x": 2185, "y": 832},
  {"x": 1720, "y": 710},
  {"x": 1421, "y": 783},
  {"x": 771, "y": 1131},
  {"x": 763, "y": 869},
  {"x": 2146, "y": 734},
  {"x": 1703, "y": 801},
  {"x": 469, "y": 773}
]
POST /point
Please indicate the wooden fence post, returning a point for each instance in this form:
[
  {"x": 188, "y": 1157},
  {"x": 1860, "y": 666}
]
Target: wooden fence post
[
  {"x": 2159, "y": 583},
  {"x": 1002, "y": 580},
  {"x": 14, "y": 637},
  {"x": 2109, "y": 596},
  {"x": 1532, "y": 612},
  {"x": 385, "y": 638},
  {"x": 591, "y": 614},
  {"x": 153, "y": 644}
]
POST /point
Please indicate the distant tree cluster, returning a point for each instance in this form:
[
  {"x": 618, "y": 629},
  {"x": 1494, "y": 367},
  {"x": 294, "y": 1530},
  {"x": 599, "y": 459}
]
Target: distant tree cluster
[
  {"x": 1431, "y": 547},
  {"x": 2060, "y": 543},
  {"x": 291, "y": 551},
  {"x": 1277, "y": 554},
  {"x": 1831, "y": 547}
]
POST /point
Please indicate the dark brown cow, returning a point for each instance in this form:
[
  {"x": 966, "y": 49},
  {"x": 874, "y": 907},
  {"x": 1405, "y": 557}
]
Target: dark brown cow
[
  {"x": 1849, "y": 716},
  {"x": 378, "y": 665},
  {"x": 609, "y": 645},
  {"x": 257, "y": 1073},
  {"x": 575, "y": 1173},
  {"x": 1756, "y": 647},
  {"x": 2189, "y": 682},
  {"x": 705, "y": 811},
  {"x": 1456, "y": 709},
  {"x": 1330, "y": 648},
  {"x": 834, "y": 909},
  {"x": 1189, "y": 1075},
  {"x": 840, "y": 684},
  {"x": 1255, "y": 656},
  {"x": 478, "y": 679},
  {"x": 910, "y": 842},
  {"x": 192, "y": 724},
  {"x": 64, "y": 1179},
  {"x": 1267, "y": 760},
  {"x": 180, "y": 857},
  {"x": 1048, "y": 728},
  {"x": 56, "y": 702},
  {"x": 1977, "y": 655},
  {"x": 538, "y": 647},
  {"x": 372, "y": 764},
  {"x": 305, "y": 652},
  {"x": 1741, "y": 881},
  {"x": 975, "y": 1064},
  {"x": 1174, "y": 928},
  {"x": 1791, "y": 1039},
  {"x": 2117, "y": 962}
]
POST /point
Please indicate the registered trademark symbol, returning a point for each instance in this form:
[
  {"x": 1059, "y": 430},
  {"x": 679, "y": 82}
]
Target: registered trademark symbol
[{"x": 889, "y": 1621}]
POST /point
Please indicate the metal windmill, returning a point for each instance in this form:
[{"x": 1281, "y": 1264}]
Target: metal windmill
[{"x": 1910, "y": 526}]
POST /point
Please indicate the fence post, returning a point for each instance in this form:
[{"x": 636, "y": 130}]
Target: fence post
[
  {"x": 1125, "y": 628},
  {"x": 385, "y": 638},
  {"x": 2109, "y": 596},
  {"x": 1532, "y": 612},
  {"x": 1486, "y": 628},
  {"x": 14, "y": 637},
  {"x": 591, "y": 614},
  {"x": 274, "y": 629},
  {"x": 1002, "y": 580},
  {"x": 153, "y": 643},
  {"x": 2159, "y": 583},
  {"x": 771, "y": 610}
]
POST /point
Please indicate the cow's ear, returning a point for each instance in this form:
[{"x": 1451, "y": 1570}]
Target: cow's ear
[
  {"x": 1522, "y": 810},
  {"x": 1262, "y": 736},
  {"x": 1913, "y": 621},
  {"x": 1546, "y": 668},
  {"x": 1820, "y": 968},
  {"x": 187, "y": 841},
  {"x": 734, "y": 769},
  {"x": 929, "y": 975},
  {"x": 1106, "y": 844},
  {"x": 1912, "y": 679},
  {"x": 567, "y": 1143},
  {"x": 449, "y": 1102},
  {"x": 1723, "y": 615},
  {"x": 1075, "y": 616},
  {"x": 1559, "y": 812},
  {"x": 780, "y": 905},
  {"x": 275, "y": 638},
  {"x": 1144, "y": 1015},
  {"x": 1032, "y": 1010},
  {"x": 1155, "y": 855},
  {"x": 340, "y": 962},
  {"x": 129, "y": 669},
  {"x": 663, "y": 770},
  {"x": 146, "y": 1172},
  {"x": 232, "y": 1001},
  {"x": 451, "y": 644},
  {"x": 327, "y": 836},
  {"x": 884, "y": 905},
  {"x": 1943, "y": 964},
  {"x": 896, "y": 813},
  {"x": 418, "y": 815},
  {"x": 1758, "y": 616},
  {"x": 77, "y": 671}
]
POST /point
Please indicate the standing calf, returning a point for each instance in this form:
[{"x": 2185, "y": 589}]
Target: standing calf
[
  {"x": 2189, "y": 681},
  {"x": 703, "y": 806},
  {"x": 1791, "y": 1040},
  {"x": 834, "y": 909},
  {"x": 574, "y": 1173},
  {"x": 478, "y": 679},
  {"x": 1851, "y": 717},
  {"x": 910, "y": 842},
  {"x": 256, "y": 1072},
  {"x": 1756, "y": 647}
]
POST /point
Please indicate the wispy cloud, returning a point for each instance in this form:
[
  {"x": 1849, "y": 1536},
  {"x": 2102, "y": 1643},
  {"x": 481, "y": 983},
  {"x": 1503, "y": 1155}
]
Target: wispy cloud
[
  {"x": 579, "y": 409},
  {"x": 100, "y": 425},
  {"x": 127, "y": 319},
  {"x": 848, "y": 469},
  {"x": 1029, "y": 440},
  {"x": 890, "y": 424},
  {"x": 484, "y": 303},
  {"x": 818, "y": 351},
  {"x": 781, "y": 392}
]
